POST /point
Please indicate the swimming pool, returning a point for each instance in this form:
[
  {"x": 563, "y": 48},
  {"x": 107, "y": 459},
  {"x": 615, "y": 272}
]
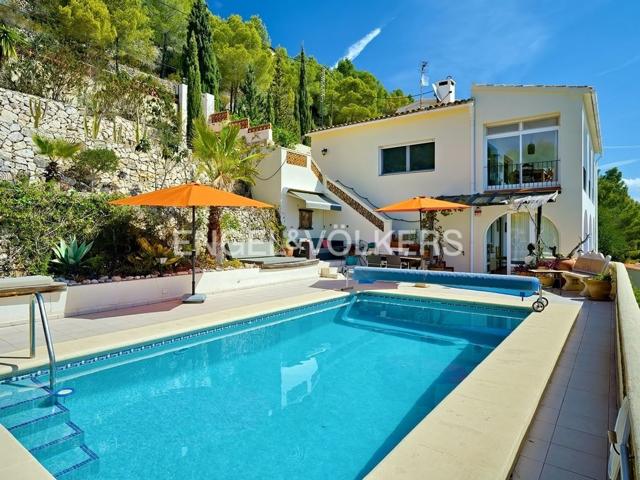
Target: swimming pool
[{"x": 320, "y": 391}]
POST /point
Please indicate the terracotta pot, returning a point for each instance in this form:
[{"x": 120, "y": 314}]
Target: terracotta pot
[
  {"x": 288, "y": 251},
  {"x": 598, "y": 289},
  {"x": 546, "y": 280},
  {"x": 567, "y": 264}
]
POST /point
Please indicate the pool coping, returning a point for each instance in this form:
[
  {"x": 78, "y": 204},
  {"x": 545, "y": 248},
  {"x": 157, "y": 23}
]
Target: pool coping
[
  {"x": 486, "y": 416},
  {"x": 476, "y": 432}
]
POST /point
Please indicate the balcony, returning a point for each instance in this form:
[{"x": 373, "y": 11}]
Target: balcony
[{"x": 513, "y": 176}]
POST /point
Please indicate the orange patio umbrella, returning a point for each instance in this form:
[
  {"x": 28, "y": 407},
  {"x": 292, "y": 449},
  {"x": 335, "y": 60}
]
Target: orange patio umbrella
[
  {"x": 191, "y": 195},
  {"x": 422, "y": 204}
]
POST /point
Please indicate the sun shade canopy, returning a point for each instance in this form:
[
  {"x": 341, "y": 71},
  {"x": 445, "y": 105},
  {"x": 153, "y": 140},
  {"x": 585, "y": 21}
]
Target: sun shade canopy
[
  {"x": 190, "y": 195},
  {"x": 315, "y": 201},
  {"x": 422, "y": 204}
]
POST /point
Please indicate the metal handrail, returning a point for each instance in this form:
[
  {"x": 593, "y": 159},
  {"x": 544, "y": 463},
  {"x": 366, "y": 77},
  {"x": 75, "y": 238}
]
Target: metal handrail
[
  {"x": 37, "y": 298},
  {"x": 546, "y": 170}
]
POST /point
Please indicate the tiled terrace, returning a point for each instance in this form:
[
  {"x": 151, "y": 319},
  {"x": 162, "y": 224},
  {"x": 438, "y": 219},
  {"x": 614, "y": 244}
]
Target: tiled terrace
[{"x": 568, "y": 438}]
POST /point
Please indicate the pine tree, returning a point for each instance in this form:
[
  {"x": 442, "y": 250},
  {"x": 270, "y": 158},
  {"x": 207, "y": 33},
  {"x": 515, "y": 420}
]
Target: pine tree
[
  {"x": 303, "y": 105},
  {"x": 200, "y": 27},
  {"x": 194, "y": 93}
]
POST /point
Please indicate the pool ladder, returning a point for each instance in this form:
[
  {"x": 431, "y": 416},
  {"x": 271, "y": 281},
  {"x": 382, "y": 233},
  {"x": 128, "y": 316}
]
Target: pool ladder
[{"x": 37, "y": 299}]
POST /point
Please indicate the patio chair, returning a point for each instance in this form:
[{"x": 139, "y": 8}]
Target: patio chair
[
  {"x": 393, "y": 261},
  {"x": 374, "y": 261}
]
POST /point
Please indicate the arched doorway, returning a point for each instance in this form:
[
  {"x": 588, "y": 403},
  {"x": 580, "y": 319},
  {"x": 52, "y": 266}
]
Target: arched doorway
[{"x": 508, "y": 236}]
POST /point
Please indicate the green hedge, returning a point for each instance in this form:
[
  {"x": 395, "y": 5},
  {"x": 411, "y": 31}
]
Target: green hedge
[{"x": 34, "y": 216}]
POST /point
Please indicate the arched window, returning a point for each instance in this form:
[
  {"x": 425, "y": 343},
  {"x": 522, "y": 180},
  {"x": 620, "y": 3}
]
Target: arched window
[{"x": 549, "y": 237}]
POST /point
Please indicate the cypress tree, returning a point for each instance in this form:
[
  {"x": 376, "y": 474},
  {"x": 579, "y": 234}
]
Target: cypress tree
[
  {"x": 303, "y": 105},
  {"x": 200, "y": 27},
  {"x": 250, "y": 96},
  {"x": 194, "y": 93},
  {"x": 279, "y": 95}
]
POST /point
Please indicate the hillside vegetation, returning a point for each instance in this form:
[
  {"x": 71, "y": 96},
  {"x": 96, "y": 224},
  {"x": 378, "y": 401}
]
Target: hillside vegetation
[{"x": 250, "y": 76}]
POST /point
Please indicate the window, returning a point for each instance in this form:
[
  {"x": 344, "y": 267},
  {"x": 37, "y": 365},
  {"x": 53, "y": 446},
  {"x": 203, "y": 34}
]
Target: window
[
  {"x": 523, "y": 153},
  {"x": 410, "y": 158},
  {"x": 305, "y": 219}
]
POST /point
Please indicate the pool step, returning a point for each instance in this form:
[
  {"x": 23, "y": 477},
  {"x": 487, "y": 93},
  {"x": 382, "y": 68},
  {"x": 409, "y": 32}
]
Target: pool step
[
  {"x": 53, "y": 440},
  {"x": 72, "y": 464},
  {"x": 43, "y": 426},
  {"x": 18, "y": 396},
  {"x": 34, "y": 419}
]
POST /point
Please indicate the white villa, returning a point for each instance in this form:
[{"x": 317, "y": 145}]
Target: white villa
[{"x": 505, "y": 143}]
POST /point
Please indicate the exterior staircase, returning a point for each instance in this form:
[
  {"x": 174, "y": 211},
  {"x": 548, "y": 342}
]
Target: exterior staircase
[{"x": 44, "y": 427}]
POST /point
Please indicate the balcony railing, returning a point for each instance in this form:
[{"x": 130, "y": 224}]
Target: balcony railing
[{"x": 509, "y": 176}]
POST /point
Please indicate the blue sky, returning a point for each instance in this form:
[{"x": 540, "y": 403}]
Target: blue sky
[{"x": 578, "y": 42}]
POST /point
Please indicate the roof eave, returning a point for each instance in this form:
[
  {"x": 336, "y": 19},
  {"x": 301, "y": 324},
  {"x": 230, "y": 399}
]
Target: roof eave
[{"x": 457, "y": 104}]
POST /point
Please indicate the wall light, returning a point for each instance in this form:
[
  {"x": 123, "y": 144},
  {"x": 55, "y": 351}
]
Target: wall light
[{"x": 324, "y": 151}]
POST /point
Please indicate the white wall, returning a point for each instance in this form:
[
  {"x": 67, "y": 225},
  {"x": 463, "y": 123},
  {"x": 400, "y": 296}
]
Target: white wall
[
  {"x": 82, "y": 299},
  {"x": 353, "y": 154},
  {"x": 502, "y": 105}
]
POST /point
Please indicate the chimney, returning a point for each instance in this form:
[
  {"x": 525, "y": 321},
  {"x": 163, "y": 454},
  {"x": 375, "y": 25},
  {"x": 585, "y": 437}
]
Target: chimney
[{"x": 445, "y": 90}]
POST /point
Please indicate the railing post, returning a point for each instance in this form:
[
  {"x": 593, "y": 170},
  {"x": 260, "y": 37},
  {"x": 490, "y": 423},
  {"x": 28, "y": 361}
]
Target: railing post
[
  {"x": 49, "y": 341},
  {"x": 32, "y": 327}
]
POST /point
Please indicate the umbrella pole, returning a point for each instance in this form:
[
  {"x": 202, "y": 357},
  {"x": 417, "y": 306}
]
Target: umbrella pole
[
  {"x": 193, "y": 250},
  {"x": 193, "y": 298}
]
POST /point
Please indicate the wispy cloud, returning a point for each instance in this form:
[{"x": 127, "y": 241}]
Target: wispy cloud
[
  {"x": 632, "y": 182},
  {"x": 619, "y": 163},
  {"x": 622, "y": 66},
  {"x": 634, "y": 186},
  {"x": 356, "y": 49},
  {"x": 621, "y": 147}
]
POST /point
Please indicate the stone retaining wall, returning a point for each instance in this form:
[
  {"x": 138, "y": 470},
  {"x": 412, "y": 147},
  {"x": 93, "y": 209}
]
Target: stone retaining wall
[{"x": 139, "y": 171}]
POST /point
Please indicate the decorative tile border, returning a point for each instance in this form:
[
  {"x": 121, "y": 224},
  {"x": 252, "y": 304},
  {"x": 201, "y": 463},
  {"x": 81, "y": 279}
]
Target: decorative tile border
[
  {"x": 316, "y": 171},
  {"x": 219, "y": 117},
  {"x": 297, "y": 159},
  {"x": 242, "y": 123},
  {"x": 168, "y": 341},
  {"x": 357, "y": 206},
  {"x": 259, "y": 128}
]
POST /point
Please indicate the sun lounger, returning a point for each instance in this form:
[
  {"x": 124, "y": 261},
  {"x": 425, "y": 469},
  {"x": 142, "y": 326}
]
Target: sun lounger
[{"x": 587, "y": 266}]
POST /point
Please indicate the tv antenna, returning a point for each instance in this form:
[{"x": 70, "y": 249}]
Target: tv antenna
[{"x": 424, "y": 78}]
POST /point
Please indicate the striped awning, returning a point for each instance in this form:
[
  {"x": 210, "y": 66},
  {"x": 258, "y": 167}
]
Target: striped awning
[{"x": 315, "y": 201}]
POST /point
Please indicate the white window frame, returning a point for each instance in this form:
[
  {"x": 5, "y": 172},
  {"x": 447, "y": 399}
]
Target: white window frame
[
  {"x": 520, "y": 132},
  {"x": 406, "y": 157}
]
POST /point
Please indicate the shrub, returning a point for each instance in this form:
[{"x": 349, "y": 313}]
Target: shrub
[
  {"x": 33, "y": 216},
  {"x": 285, "y": 138},
  {"x": 89, "y": 164}
]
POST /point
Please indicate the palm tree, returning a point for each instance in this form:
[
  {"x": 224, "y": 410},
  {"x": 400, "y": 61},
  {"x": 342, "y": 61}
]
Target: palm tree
[
  {"x": 56, "y": 149},
  {"x": 225, "y": 158}
]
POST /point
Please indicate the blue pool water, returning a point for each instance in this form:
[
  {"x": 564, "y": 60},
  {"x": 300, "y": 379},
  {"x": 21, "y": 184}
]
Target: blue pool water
[{"x": 323, "y": 391}]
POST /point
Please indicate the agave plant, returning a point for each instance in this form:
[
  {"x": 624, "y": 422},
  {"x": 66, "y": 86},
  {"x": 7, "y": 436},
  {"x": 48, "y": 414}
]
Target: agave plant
[
  {"x": 70, "y": 257},
  {"x": 152, "y": 255}
]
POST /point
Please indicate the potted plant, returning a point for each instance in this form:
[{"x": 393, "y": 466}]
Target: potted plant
[
  {"x": 288, "y": 250},
  {"x": 599, "y": 287},
  {"x": 546, "y": 279}
]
